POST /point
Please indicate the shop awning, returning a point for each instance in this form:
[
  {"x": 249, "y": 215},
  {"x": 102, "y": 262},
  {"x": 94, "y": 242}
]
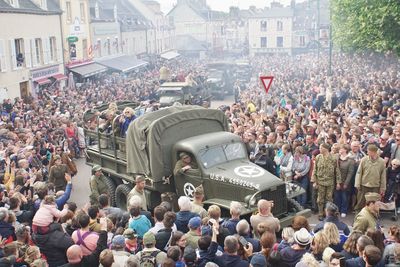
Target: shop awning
[
  {"x": 123, "y": 63},
  {"x": 169, "y": 55},
  {"x": 42, "y": 81},
  {"x": 60, "y": 77},
  {"x": 89, "y": 69}
]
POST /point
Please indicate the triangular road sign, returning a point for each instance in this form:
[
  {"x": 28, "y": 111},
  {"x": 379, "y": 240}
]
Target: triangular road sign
[{"x": 266, "y": 82}]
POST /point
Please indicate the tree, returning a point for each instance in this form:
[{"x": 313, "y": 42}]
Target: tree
[{"x": 366, "y": 24}]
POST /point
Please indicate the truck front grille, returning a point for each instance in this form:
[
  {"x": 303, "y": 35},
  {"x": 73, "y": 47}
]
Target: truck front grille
[{"x": 278, "y": 195}]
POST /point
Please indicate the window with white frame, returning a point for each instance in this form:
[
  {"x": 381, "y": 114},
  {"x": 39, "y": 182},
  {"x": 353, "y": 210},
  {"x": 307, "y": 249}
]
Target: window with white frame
[
  {"x": 83, "y": 12},
  {"x": 279, "y": 25},
  {"x": 39, "y": 51},
  {"x": 263, "y": 26},
  {"x": 68, "y": 11},
  {"x": 263, "y": 42},
  {"x": 19, "y": 52},
  {"x": 302, "y": 40},
  {"x": 98, "y": 47},
  {"x": 279, "y": 41},
  {"x": 53, "y": 49},
  {"x": 116, "y": 41},
  {"x": 3, "y": 66}
]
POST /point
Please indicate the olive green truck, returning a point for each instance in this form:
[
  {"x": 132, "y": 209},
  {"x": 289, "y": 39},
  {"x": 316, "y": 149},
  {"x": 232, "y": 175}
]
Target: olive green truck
[{"x": 152, "y": 147}]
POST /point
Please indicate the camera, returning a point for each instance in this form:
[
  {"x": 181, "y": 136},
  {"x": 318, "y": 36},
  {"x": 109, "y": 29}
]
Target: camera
[{"x": 244, "y": 242}]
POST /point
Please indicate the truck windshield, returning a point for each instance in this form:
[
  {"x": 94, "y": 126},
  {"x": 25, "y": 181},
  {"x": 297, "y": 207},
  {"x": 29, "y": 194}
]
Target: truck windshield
[{"x": 213, "y": 156}]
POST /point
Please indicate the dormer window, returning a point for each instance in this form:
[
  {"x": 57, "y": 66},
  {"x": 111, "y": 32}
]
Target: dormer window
[
  {"x": 96, "y": 10},
  {"x": 13, "y": 3},
  {"x": 43, "y": 4}
]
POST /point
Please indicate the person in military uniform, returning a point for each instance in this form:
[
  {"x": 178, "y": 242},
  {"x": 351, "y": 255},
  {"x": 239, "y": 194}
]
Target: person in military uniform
[
  {"x": 370, "y": 177},
  {"x": 368, "y": 216},
  {"x": 138, "y": 190},
  {"x": 57, "y": 174},
  {"x": 325, "y": 176},
  {"x": 98, "y": 185},
  {"x": 185, "y": 165},
  {"x": 197, "y": 203}
]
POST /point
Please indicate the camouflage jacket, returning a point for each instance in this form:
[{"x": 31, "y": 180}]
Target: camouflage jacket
[{"x": 326, "y": 171}]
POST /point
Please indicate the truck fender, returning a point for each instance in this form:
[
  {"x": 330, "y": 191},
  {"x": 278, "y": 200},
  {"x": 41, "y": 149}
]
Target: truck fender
[{"x": 121, "y": 195}]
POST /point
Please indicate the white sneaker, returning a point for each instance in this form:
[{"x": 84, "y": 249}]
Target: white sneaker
[{"x": 343, "y": 215}]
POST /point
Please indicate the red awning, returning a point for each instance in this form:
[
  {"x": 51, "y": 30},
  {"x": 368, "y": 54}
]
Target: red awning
[
  {"x": 42, "y": 81},
  {"x": 60, "y": 77}
]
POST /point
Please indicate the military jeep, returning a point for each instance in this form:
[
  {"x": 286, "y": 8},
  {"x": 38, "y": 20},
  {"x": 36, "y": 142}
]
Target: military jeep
[{"x": 152, "y": 147}]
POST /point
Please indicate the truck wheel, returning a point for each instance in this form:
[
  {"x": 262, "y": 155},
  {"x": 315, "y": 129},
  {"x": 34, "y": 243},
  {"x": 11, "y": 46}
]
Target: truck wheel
[
  {"x": 111, "y": 189},
  {"x": 121, "y": 195},
  {"x": 294, "y": 206}
]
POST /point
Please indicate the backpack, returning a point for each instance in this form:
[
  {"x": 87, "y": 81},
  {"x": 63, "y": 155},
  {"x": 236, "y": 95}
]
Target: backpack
[
  {"x": 148, "y": 259},
  {"x": 81, "y": 238}
]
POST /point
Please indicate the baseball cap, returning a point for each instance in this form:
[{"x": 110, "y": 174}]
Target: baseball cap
[
  {"x": 194, "y": 223},
  {"x": 149, "y": 238},
  {"x": 118, "y": 241},
  {"x": 258, "y": 260},
  {"x": 130, "y": 233}
]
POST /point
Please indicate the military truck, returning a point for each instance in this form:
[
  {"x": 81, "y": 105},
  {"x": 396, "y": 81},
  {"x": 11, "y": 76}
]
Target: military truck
[
  {"x": 221, "y": 76},
  {"x": 216, "y": 82},
  {"x": 152, "y": 147},
  {"x": 182, "y": 92},
  {"x": 243, "y": 71}
]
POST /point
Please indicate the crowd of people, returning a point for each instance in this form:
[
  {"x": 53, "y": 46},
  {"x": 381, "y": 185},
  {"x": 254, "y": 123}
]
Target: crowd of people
[{"x": 337, "y": 136}]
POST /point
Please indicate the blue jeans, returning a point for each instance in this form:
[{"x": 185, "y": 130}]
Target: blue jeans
[
  {"x": 342, "y": 200},
  {"x": 303, "y": 182}
]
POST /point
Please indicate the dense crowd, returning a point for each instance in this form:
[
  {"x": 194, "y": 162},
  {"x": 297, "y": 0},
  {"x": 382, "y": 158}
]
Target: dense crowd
[{"x": 337, "y": 136}]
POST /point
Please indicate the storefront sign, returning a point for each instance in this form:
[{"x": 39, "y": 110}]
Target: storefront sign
[
  {"x": 45, "y": 72},
  {"x": 72, "y": 39}
]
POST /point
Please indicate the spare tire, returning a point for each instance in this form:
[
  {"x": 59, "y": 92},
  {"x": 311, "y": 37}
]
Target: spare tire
[
  {"x": 111, "y": 189},
  {"x": 121, "y": 195},
  {"x": 294, "y": 206}
]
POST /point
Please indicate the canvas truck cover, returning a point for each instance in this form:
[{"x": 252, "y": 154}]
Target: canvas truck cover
[{"x": 150, "y": 138}]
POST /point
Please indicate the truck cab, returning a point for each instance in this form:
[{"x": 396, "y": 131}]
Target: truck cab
[
  {"x": 172, "y": 92},
  {"x": 183, "y": 93}
]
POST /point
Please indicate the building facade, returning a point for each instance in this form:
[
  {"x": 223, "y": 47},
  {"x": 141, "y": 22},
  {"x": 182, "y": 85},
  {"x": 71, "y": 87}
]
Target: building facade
[
  {"x": 271, "y": 30},
  {"x": 160, "y": 34},
  {"x": 195, "y": 18},
  {"x": 104, "y": 29},
  {"x": 75, "y": 21},
  {"x": 31, "y": 53}
]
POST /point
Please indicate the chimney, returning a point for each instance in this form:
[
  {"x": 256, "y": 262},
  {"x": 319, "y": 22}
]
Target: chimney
[{"x": 276, "y": 5}]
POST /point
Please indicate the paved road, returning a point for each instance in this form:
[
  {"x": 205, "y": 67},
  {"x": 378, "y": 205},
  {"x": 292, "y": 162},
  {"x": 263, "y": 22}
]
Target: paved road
[{"x": 81, "y": 189}]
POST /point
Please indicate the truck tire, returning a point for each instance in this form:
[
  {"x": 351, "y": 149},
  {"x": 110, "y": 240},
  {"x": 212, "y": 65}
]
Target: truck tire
[
  {"x": 111, "y": 189},
  {"x": 294, "y": 206},
  {"x": 121, "y": 195}
]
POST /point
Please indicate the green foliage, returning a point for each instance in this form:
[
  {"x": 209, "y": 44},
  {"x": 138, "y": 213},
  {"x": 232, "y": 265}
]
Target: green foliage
[{"x": 366, "y": 24}]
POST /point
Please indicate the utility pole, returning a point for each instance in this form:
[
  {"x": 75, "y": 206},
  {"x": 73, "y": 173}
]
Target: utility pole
[
  {"x": 318, "y": 26},
  {"x": 330, "y": 40}
]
